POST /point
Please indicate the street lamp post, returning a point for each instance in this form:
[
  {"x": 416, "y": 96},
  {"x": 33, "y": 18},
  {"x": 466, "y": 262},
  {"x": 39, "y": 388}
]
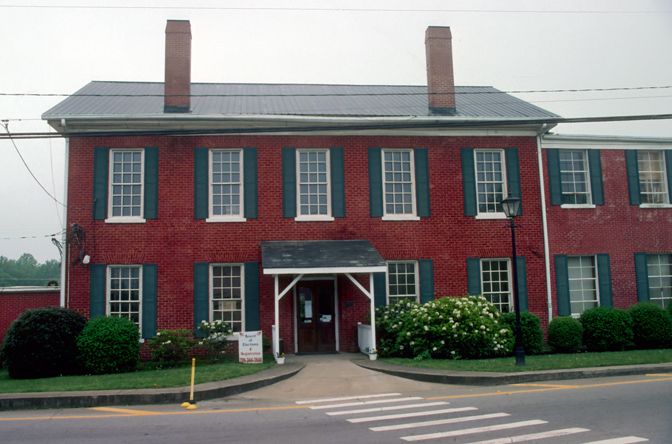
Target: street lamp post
[{"x": 511, "y": 207}]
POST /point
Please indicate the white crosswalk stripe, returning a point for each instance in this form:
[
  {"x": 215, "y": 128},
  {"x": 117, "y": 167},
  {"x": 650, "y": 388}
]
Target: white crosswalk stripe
[
  {"x": 510, "y": 425},
  {"x": 352, "y": 404},
  {"x": 411, "y": 415},
  {"x": 414, "y": 425},
  {"x": 623, "y": 440},
  {"x": 388, "y": 408},
  {"x": 533, "y": 436},
  {"x": 347, "y": 398}
]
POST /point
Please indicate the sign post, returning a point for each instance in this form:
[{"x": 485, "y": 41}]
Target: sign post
[{"x": 250, "y": 348}]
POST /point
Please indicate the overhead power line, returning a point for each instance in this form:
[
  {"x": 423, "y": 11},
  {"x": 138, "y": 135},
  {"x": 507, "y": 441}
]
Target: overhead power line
[{"x": 37, "y": 236}]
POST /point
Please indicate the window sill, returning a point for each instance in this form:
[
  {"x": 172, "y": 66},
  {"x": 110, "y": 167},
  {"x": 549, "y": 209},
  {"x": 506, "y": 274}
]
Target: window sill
[
  {"x": 400, "y": 217},
  {"x": 314, "y": 219},
  {"x": 226, "y": 219},
  {"x": 655, "y": 206},
  {"x": 125, "y": 220},
  {"x": 486, "y": 216},
  {"x": 577, "y": 206}
]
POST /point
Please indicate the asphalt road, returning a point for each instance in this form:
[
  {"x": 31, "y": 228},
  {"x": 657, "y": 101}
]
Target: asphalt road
[{"x": 618, "y": 410}]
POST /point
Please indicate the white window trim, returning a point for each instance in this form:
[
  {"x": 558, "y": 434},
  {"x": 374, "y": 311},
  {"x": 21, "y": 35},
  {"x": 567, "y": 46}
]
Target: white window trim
[
  {"x": 597, "y": 282},
  {"x": 668, "y": 203},
  {"x": 505, "y": 185},
  {"x": 108, "y": 289},
  {"x": 313, "y": 217},
  {"x": 232, "y": 217},
  {"x": 387, "y": 280},
  {"x": 589, "y": 185},
  {"x": 394, "y": 216},
  {"x": 656, "y": 300},
  {"x": 648, "y": 205},
  {"x": 578, "y": 206},
  {"x": 509, "y": 275},
  {"x": 125, "y": 219},
  {"x": 235, "y": 335}
]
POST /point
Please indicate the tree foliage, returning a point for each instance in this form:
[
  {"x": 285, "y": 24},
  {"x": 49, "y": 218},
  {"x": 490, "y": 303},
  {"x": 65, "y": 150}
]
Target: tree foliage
[{"x": 27, "y": 271}]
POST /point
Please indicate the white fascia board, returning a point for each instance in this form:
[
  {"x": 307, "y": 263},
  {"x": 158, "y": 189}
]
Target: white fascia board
[
  {"x": 556, "y": 141},
  {"x": 326, "y": 270}
]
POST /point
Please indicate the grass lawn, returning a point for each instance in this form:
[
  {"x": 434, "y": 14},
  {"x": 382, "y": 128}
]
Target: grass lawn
[
  {"x": 173, "y": 377},
  {"x": 542, "y": 362}
]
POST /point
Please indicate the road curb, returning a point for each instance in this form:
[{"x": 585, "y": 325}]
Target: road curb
[
  {"x": 211, "y": 390},
  {"x": 491, "y": 378}
]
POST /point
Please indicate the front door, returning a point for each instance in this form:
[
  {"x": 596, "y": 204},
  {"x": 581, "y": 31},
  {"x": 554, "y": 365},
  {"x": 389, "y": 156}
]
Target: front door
[{"x": 315, "y": 317}]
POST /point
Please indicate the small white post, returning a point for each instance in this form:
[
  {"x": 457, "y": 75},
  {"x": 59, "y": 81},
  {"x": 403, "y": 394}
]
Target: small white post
[
  {"x": 276, "y": 331},
  {"x": 373, "y": 314}
]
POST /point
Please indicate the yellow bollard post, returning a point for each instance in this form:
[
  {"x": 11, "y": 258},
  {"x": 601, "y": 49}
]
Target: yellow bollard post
[{"x": 191, "y": 404}]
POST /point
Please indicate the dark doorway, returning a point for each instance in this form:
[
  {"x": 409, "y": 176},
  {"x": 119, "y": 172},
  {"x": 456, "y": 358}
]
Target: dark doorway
[{"x": 315, "y": 317}]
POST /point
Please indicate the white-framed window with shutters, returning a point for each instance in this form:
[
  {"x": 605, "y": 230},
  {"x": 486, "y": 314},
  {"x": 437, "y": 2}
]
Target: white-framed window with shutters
[
  {"x": 123, "y": 297},
  {"x": 313, "y": 188},
  {"x": 653, "y": 188},
  {"x": 496, "y": 283},
  {"x": 491, "y": 186},
  {"x": 402, "y": 281},
  {"x": 227, "y": 302},
  {"x": 583, "y": 284},
  {"x": 126, "y": 194},
  {"x": 399, "y": 200},
  {"x": 659, "y": 267},
  {"x": 225, "y": 197},
  {"x": 575, "y": 177}
]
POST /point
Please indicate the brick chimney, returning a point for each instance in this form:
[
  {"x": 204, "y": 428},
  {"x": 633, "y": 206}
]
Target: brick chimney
[
  {"x": 177, "y": 86},
  {"x": 440, "y": 80}
]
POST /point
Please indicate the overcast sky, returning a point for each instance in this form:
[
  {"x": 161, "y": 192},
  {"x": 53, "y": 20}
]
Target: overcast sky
[{"x": 511, "y": 45}]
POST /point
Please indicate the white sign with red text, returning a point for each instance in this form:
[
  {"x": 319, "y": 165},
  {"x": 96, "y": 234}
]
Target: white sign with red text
[{"x": 249, "y": 348}]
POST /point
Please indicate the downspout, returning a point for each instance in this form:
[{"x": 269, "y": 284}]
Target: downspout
[
  {"x": 66, "y": 252},
  {"x": 544, "y": 224}
]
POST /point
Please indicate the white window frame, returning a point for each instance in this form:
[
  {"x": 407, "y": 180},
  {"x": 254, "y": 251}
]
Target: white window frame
[
  {"x": 226, "y": 217},
  {"x": 490, "y": 214},
  {"x": 665, "y": 186},
  {"x": 242, "y": 293},
  {"x": 589, "y": 190},
  {"x": 313, "y": 217},
  {"x": 509, "y": 276},
  {"x": 108, "y": 290},
  {"x": 406, "y": 216},
  {"x": 597, "y": 283},
  {"x": 110, "y": 186},
  {"x": 387, "y": 281},
  {"x": 664, "y": 302}
]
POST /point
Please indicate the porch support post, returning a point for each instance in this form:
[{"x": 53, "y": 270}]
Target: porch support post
[
  {"x": 276, "y": 330},
  {"x": 373, "y": 314}
]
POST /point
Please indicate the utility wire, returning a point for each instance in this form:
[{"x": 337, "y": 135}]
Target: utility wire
[{"x": 37, "y": 236}]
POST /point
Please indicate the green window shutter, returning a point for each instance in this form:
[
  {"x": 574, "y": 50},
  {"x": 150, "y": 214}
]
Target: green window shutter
[
  {"x": 337, "y": 182},
  {"x": 201, "y": 294},
  {"x": 513, "y": 175},
  {"x": 201, "y": 191},
  {"x": 473, "y": 276},
  {"x": 151, "y": 182},
  {"x": 554, "y": 182},
  {"x": 149, "y": 283},
  {"x": 251, "y": 270},
  {"x": 562, "y": 285},
  {"x": 595, "y": 165},
  {"x": 289, "y": 182},
  {"x": 522, "y": 282},
  {"x": 97, "y": 278},
  {"x": 668, "y": 167},
  {"x": 469, "y": 183},
  {"x": 379, "y": 290},
  {"x": 604, "y": 277},
  {"x": 101, "y": 170},
  {"x": 250, "y": 182},
  {"x": 642, "y": 277},
  {"x": 375, "y": 182},
  {"x": 426, "y": 270},
  {"x": 633, "y": 176},
  {"x": 422, "y": 181}
]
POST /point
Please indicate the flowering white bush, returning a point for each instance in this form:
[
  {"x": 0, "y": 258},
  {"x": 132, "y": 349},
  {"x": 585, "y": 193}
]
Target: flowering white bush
[
  {"x": 454, "y": 328},
  {"x": 171, "y": 347},
  {"x": 215, "y": 336}
]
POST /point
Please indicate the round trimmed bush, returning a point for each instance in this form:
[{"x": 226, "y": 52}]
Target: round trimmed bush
[
  {"x": 42, "y": 343},
  {"x": 565, "y": 334},
  {"x": 533, "y": 336},
  {"x": 109, "y": 345},
  {"x": 606, "y": 329},
  {"x": 651, "y": 325}
]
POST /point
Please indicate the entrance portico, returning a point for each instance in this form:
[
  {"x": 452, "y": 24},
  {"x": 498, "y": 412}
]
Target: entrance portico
[{"x": 304, "y": 261}]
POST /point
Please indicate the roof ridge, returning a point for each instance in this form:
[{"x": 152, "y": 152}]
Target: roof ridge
[{"x": 288, "y": 84}]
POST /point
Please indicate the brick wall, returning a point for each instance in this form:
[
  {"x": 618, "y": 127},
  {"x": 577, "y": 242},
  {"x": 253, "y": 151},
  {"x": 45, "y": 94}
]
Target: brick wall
[{"x": 14, "y": 302}]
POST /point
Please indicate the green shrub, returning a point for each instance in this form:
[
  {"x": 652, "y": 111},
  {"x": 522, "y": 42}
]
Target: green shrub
[
  {"x": 533, "y": 336},
  {"x": 453, "y": 328},
  {"x": 651, "y": 326},
  {"x": 41, "y": 343},
  {"x": 565, "y": 334},
  {"x": 171, "y": 347},
  {"x": 606, "y": 329},
  {"x": 214, "y": 338},
  {"x": 109, "y": 345}
]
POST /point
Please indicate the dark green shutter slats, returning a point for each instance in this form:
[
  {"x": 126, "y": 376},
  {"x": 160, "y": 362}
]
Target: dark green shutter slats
[
  {"x": 473, "y": 275},
  {"x": 101, "y": 168},
  {"x": 522, "y": 282},
  {"x": 337, "y": 182},
  {"x": 422, "y": 181},
  {"x": 97, "y": 280},
  {"x": 642, "y": 277},
  {"x": 251, "y": 296},
  {"x": 604, "y": 278},
  {"x": 289, "y": 182},
  {"x": 201, "y": 294},
  {"x": 469, "y": 182},
  {"x": 668, "y": 166},
  {"x": 375, "y": 182},
  {"x": 513, "y": 175},
  {"x": 633, "y": 176},
  {"x": 595, "y": 165},
  {"x": 379, "y": 290},
  {"x": 562, "y": 285},
  {"x": 426, "y": 269},
  {"x": 149, "y": 283},
  {"x": 554, "y": 182},
  {"x": 151, "y": 182},
  {"x": 201, "y": 210},
  {"x": 250, "y": 182}
]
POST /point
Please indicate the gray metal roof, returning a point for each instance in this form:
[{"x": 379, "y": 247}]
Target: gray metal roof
[
  {"x": 144, "y": 99},
  {"x": 329, "y": 254}
]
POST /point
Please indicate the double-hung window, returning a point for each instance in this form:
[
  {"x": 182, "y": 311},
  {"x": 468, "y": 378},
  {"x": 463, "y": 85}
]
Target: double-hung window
[
  {"x": 490, "y": 181},
  {"x": 574, "y": 177},
  {"x": 226, "y": 295},
  {"x": 496, "y": 283},
  {"x": 660, "y": 279},
  {"x": 402, "y": 281},
  {"x": 653, "y": 187},
  {"x": 314, "y": 187},
  {"x": 583, "y": 284},
  {"x": 226, "y": 185},
  {"x": 398, "y": 184},
  {"x": 124, "y": 292},
  {"x": 126, "y": 184}
]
